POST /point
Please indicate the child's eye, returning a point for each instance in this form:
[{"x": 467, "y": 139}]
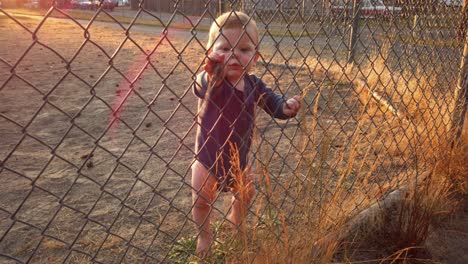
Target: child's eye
[{"x": 245, "y": 49}]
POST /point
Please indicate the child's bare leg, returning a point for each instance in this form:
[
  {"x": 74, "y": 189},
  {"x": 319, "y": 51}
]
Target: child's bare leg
[
  {"x": 242, "y": 196},
  {"x": 203, "y": 195}
]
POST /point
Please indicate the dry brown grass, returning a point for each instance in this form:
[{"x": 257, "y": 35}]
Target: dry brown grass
[
  {"x": 312, "y": 232},
  {"x": 414, "y": 120},
  {"x": 421, "y": 121},
  {"x": 426, "y": 202},
  {"x": 418, "y": 110}
]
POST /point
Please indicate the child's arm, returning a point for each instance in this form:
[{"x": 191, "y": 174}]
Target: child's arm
[
  {"x": 212, "y": 76},
  {"x": 201, "y": 85},
  {"x": 276, "y": 105},
  {"x": 214, "y": 67},
  {"x": 292, "y": 106}
]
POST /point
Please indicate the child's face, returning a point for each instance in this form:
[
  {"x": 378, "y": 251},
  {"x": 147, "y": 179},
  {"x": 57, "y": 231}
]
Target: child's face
[{"x": 239, "y": 55}]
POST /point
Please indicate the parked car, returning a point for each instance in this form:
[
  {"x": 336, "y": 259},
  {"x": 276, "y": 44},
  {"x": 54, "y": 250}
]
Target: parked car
[
  {"x": 106, "y": 4},
  {"x": 123, "y": 2},
  {"x": 92, "y": 5},
  {"x": 32, "y": 4},
  {"x": 81, "y": 4},
  {"x": 452, "y": 3},
  {"x": 368, "y": 9}
]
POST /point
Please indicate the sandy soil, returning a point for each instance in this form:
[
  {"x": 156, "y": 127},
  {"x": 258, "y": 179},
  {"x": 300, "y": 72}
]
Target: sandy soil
[{"x": 70, "y": 175}]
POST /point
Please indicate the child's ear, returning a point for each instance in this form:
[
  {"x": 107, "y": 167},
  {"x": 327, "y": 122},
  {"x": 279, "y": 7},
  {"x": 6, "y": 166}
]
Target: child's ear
[{"x": 257, "y": 56}]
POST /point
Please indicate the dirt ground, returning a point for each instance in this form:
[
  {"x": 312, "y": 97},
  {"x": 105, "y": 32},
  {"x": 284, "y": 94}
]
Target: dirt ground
[
  {"x": 447, "y": 242},
  {"x": 90, "y": 175},
  {"x": 79, "y": 184}
]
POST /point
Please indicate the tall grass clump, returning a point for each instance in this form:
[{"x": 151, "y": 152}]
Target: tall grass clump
[
  {"x": 303, "y": 218},
  {"x": 337, "y": 204},
  {"x": 421, "y": 104},
  {"x": 416, "y": 112},
  {"x": 400, "y": 145},
  {"x": 427, "y": 200}
]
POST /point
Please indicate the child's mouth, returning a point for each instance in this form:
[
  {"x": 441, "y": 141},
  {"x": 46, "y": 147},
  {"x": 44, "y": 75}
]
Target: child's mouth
[{"x": 236, "y": 67}]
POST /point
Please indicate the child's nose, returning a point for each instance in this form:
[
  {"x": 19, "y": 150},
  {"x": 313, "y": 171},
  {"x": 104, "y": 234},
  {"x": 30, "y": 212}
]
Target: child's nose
[{"x": 234, "y": 53}]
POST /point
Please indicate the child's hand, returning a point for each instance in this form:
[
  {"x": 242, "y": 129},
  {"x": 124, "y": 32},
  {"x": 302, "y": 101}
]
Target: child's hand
[
  {"x": 292, "y": 106},
  {"x": 214, "y": 67}
]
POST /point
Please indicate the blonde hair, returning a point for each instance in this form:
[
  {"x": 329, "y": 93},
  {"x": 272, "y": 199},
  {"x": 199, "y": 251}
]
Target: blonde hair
[{"x": 232, "y": 19}]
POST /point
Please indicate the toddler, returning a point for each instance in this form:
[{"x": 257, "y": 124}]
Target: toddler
[{"x": 228, "y": 96}]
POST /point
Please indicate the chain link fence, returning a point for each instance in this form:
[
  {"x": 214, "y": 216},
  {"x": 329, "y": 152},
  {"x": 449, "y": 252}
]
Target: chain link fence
[{"x": 97, "y": 123}]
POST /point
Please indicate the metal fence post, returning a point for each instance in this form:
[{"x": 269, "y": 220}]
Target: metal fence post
[
  {"x": 461, "y": 94},
  {"x": 134, "y": 4},
  {"x": 221, "y": 7},
  {"x": 354, "y": 31},
  {"x": 416, "y": 26}
]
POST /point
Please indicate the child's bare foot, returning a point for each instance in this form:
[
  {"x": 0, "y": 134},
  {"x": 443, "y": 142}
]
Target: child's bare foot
[
  {"x": 237, "y": 226},
  {"x": 233, "y": 221},
  {"x": 203, "y": 246}
]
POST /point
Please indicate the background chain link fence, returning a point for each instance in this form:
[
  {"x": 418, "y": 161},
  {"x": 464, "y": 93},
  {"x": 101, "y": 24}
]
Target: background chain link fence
[{"x": 97, "y": 121}]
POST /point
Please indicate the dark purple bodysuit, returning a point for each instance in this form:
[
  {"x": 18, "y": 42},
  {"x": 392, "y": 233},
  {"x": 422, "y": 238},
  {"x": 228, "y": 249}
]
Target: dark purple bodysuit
[{"x": 226, "y": 120}]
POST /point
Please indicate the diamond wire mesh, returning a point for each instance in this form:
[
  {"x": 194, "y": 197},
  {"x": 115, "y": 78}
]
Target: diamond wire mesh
[{"x": 97, "y": 122}]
